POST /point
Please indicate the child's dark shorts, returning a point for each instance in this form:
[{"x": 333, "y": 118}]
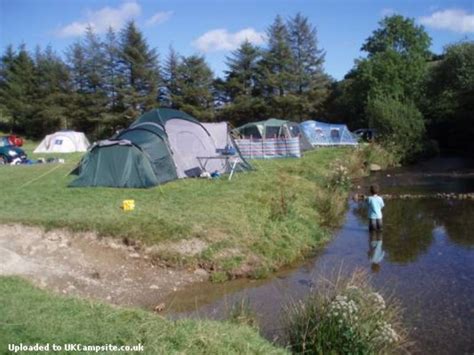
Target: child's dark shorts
[{"x": 375, "y": 224}]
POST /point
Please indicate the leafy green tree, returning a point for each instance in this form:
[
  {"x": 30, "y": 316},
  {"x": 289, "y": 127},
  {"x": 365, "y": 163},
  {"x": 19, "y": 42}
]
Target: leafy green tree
[
  {"x": 396, "y": 65},
  {"x": 342, "y": 103},
  {"x": 399, "y": 124},
  {"x": 448, "y": 104},
  {"x": 398, "y": 53}
]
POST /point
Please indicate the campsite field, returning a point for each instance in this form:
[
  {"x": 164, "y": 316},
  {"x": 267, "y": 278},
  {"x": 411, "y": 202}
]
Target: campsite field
[
  {"x": 255, "y": 223},
  {"x": 31, "y": 316}
]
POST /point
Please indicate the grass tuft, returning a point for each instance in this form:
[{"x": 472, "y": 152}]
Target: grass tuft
[{"x": 346, "y": 316}]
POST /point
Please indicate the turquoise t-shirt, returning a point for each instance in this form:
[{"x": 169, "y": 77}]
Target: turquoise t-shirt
[{"x": 375, "y": 204}]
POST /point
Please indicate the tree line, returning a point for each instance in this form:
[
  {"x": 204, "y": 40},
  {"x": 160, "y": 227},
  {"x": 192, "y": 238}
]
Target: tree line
[{"x": 400, "y": 88}]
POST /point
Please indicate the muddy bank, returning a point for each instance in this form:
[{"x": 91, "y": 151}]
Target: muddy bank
[{"x": 81, "y": 264}]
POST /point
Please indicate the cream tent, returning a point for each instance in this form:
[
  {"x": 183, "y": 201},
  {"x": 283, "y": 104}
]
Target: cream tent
[{"x": 63, "y": 142}]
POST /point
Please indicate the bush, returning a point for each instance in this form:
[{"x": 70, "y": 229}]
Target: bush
[
  {"x": 339, "y": 177},
  {"x": 345, "y": 317},
  {"x": 399, "y": 124},
  {"x": 374, "y": 153}
]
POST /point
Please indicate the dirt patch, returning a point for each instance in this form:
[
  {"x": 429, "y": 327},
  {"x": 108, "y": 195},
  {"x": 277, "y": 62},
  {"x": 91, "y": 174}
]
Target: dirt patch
[
  {"x": 84, "y": 265},
  {"x": 186, "y": 247}
]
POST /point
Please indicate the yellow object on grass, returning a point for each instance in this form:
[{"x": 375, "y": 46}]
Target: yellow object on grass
[{"x": 128, "y": 205}]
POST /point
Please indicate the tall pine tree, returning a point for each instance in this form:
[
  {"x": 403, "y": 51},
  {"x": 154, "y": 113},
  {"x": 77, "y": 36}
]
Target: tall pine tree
[
  {"x": 194, "y": 88},
  {"x": 311, "y": 82},
  {"x": 277, "y": 64},
  {"x": 139, "y": 67},
  {"x": 18, "y": 90},
  {"x": 242, "y": 86},
  {"x": 241, "y": 77},
  {"x": 6, "y": 65},
  {"x": 54, "y": 90},
  {"x": 170, "y": 78}
]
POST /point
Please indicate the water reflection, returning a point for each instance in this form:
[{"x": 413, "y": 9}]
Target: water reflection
[
  {"x": 409, "y": 225},
  {"x": 408, "y": 229},
  {"x": 457, "y": 217},
  {"x": 375, "y": 253}
]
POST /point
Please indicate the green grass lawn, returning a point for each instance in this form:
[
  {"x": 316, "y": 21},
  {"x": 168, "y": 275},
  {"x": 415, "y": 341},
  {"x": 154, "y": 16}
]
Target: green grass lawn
[
  {"x": 29, "y": 316},
  {"x": 259, "y": 221}
]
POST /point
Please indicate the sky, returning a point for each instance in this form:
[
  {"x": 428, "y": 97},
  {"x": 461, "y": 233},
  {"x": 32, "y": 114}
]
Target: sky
[{"x": 214, "y": 28}]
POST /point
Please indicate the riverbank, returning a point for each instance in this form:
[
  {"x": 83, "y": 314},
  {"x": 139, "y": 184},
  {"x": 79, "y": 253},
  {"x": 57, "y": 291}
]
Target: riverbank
[
  {"x": 31, "y": 316},
  {"x": 78, "y": 242},
  {"x": 246, "y": 227}
]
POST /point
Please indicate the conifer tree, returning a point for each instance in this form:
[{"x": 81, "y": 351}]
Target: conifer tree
[
  {"x": 113, "y": 82},
  {"x": 6, "y": 65},
  {"x": 139, "y": 67},
  {"x": 308, "y": 58},
  {"x": 241, "y": 77},
  {"x": 278, "y": 61},
  {"x": 87, "y": 65},
  {"x": 311, "y": 82},
  {"x": 18, "y": 89},
  {"x": 194, "y": 88},
  {"x": 52, "y": 104},
  {"x": 170, "y": 78}
]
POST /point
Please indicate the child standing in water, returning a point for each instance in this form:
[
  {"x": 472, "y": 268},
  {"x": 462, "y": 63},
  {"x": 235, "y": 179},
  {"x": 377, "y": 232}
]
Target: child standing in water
[{"x": 375, "y": 205}]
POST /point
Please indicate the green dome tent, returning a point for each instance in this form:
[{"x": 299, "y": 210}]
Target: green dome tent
[
  {"x": 116, "y": 163},
  {"x": 172, "y": 143}
]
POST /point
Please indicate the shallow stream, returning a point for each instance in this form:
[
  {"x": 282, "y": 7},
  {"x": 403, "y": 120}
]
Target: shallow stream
[{"x": 424, "y": 258}]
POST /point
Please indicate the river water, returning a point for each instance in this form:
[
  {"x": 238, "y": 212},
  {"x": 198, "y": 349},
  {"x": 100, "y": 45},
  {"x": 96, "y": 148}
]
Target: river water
[{"x": 424, "y": 258}]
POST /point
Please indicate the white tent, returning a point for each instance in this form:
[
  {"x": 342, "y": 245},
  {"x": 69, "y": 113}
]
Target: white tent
[{"x": 63, "y": 142}]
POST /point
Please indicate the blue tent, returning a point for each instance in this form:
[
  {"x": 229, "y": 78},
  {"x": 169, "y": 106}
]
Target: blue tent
[{"x": 321, "y": 133}]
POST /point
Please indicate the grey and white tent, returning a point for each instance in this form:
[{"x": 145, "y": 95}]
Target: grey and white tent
[
  {"x": 175, "y": 144},
  {"x": 63, "y": 142}
]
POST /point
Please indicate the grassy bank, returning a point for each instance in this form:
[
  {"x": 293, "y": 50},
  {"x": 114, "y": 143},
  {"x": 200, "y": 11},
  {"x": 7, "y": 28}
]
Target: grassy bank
[
  {"x": 257, "y": 222},
  {"x": 32, "y": 316}
]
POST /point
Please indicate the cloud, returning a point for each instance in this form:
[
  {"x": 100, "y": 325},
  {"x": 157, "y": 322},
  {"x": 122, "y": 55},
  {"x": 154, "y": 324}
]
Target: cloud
[
  {"x": 452, "y": 19},
  {"x": 387, "y": 12},
  {"x": 102, "y": 19},
  {"x": 159, "y": 17},
  {"x": 222, "y": 40}
]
